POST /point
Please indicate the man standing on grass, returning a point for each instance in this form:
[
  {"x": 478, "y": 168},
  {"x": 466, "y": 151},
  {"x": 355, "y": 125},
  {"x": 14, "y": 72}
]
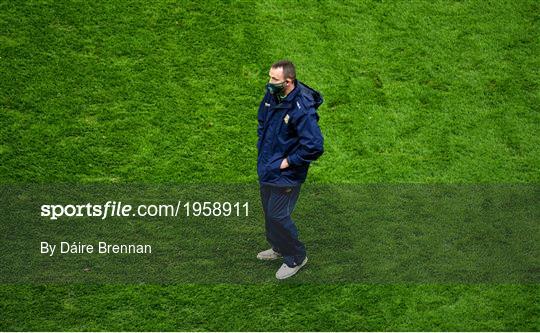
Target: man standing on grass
[{"x": 289, "y": 140}]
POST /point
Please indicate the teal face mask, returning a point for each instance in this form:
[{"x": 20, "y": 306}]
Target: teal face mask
[{"x": 276, "y": 89}]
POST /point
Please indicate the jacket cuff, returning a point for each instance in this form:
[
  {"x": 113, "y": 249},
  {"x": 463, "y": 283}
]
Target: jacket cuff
[{"x": 294, "y": 160}]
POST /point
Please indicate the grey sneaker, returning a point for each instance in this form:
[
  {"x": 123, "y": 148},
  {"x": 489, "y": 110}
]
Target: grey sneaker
[
  {"x": 269, "y": 254},
  {"x": 285, "y": 271}
]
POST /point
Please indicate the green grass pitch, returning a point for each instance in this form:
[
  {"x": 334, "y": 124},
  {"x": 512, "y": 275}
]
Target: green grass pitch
[{"x": 166, "y": 92}]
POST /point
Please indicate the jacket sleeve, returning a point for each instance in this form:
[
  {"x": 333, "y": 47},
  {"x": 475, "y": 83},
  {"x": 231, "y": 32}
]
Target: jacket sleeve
[
  {"x": 260, "y": 119},
  {"x": 311, "y": 139}
]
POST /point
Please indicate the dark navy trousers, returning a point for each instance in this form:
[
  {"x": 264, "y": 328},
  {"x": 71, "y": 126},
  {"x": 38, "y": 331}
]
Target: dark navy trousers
[{"x": 278, "y": 204}]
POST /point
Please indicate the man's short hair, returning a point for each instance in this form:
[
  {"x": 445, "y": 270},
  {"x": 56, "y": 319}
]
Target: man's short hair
[{"x": 289, "y": 72}]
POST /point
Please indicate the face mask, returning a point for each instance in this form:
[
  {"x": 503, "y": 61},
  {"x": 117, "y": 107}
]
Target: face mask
[{"x": 276, "y": 89}]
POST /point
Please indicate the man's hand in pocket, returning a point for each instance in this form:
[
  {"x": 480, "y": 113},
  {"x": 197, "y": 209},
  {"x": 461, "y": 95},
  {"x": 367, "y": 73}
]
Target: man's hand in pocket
[{"x": 284, "y": 164}]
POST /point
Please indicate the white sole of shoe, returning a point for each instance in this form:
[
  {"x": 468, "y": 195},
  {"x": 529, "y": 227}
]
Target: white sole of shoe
[{"x": 268, "y": 258}]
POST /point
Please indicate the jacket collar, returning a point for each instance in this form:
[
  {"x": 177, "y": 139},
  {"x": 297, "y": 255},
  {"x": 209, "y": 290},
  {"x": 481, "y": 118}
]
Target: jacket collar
[{"x": 286, "y": 103}]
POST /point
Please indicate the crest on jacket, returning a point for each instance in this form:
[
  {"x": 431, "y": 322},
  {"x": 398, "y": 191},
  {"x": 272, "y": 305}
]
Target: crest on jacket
[{"x": 286, "y": 119}]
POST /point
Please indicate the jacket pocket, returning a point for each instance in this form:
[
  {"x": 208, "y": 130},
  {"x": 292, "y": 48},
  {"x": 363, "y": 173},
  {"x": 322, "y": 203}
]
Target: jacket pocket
[{"x": 274, "y": 166}]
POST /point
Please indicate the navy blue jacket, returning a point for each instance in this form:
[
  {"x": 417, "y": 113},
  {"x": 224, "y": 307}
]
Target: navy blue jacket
[{"x": 288, "y": 130}]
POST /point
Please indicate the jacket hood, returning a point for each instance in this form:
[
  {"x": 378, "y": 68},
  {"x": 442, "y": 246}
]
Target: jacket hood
[
  {"x": 310, "y": 96},
  {"x": 307, "y": 95}
]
